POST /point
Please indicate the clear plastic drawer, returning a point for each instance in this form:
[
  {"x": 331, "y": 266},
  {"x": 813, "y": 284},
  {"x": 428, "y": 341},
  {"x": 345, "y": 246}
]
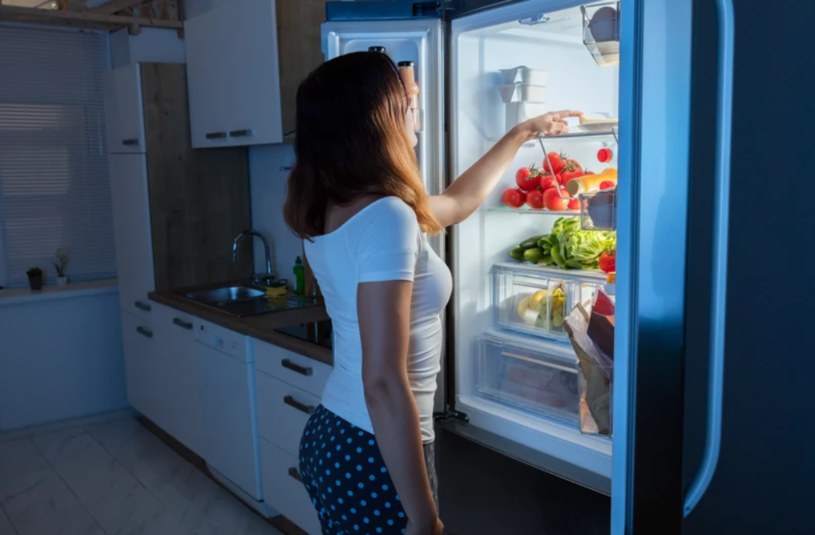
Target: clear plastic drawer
[
  {"x": 540, "y": 378},
  {"x": 535, "y": 300}
]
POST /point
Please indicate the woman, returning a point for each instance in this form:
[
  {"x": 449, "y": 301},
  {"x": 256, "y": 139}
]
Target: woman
[{"x": 356, "y": 197}]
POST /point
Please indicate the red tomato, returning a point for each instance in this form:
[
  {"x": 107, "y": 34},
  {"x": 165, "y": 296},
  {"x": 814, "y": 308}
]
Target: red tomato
[
  {"x": 555, "y": 159},
  {"x": 607, "y": 184},
  {"x": 604, "y": 155},
  {"x": 553, "y": 200},
  {"x": 570, "y": 170},
  {"x": 574, "y": 204},
  {"x": 512, "y": 197},
  {"x": 527, "y": 178},
  {"x": 548, "y": 181},
  {"x": 608, "y": 261},
  {"x": 535, "y": 199}
]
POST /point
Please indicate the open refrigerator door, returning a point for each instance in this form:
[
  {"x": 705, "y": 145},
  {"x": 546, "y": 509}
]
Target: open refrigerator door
[
  {"x": 416, "y": 44},
  {"x": 530, "y": 255}
]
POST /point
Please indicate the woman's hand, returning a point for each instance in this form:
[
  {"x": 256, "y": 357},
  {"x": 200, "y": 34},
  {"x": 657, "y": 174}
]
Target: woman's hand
[
  {"x": 436, "y": 528},
  {"x": 548, "y": 124}
]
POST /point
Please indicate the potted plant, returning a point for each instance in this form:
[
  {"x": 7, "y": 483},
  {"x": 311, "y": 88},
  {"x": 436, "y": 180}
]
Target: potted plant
[
  {"x": 34, "y": 278},
  {"x": 60, "y": 265}
]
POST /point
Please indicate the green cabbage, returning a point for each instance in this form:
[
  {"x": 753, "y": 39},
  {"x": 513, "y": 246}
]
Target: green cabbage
[{"x": 573, "y": 248}]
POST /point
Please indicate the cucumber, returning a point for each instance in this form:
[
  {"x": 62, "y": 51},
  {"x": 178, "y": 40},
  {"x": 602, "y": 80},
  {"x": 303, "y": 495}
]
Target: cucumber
[
  {"x": 531, "y": 242},
  {"x": 533, "y": 255},
  {"x": 517, "y": 253}
]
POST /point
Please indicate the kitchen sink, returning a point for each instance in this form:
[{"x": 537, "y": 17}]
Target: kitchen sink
[
  {"x": 244, "y": 300},
  {"x": 228, "y": 294}
]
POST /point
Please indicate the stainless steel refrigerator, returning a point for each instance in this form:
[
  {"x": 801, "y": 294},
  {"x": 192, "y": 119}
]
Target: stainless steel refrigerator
[{"x": 711, "y": 428}]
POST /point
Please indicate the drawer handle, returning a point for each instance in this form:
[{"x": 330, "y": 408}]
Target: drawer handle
[
  {"x": 302, "y": 370},
  {"x": 215, "y": 135},
  {"x": 293, "y": 472},
  {"x": 141, "y": 305},
  {"x": 246, "y": 132},
  {"x": 130, "y": 142},
  {"x": 302, "y": 407},
  {"x": 144, "y": 331},
  {"x": 183, "y": 324}
]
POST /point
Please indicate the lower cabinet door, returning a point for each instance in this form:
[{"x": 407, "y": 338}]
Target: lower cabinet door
[
  {"x": 283, "y": 411},
  {"x": 283, "y": 490}
]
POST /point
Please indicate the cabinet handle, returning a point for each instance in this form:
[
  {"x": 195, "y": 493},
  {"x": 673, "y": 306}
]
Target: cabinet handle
[
  {"x": 141, "y": 305},
  {"x": 183, "y": 324},
  {"x": 130, "y": 142},
  {"x": 246, "y": 132},
  {"x": 302, "y": 407},
  {"x": 303, "y": 370},
  {"x": 144, "y": 331},
  {"x": 216, "y": 135},
  {"x": 293, "y": 472}
]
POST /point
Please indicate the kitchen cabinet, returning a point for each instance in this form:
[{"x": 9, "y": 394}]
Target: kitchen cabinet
[
  {"x": 140, "y": 363},
  {"x": 131, "y": 229},
  {"x": 123, "y": 108},
  {"x": 288, "y": 391},
  {"x": 245, "y": 59},
  {"x": 175, "y": 376}
]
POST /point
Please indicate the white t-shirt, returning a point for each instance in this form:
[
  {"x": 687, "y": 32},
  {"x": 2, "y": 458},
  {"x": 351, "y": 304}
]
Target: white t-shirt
[{"x": 381, "y": 242}]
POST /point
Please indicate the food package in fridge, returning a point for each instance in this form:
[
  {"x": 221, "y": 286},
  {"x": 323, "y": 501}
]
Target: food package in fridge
[
  {"x": 522, "y": 93},
  {"x": 595, "y": 375},
  {"x": 598, "y": 210},
  {"x": 537, "y": 377},
  {"x": 535, "y": 299},
  {"x": 524, "y": 75}
]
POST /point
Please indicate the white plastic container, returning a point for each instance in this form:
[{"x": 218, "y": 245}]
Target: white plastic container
[
  {"x": 535, "y": 299},
  {"x": 518, "y": 112},
  {"x": 522, "y": 92},
  {"x": 524, "y": 75},
  {"x": 536, "y": 377}
]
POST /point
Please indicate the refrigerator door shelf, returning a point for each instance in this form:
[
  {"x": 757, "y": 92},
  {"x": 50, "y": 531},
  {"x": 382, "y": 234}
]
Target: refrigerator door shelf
[
  {"x": 532, "y": 378},
  {"x": 535, "y": 299}
]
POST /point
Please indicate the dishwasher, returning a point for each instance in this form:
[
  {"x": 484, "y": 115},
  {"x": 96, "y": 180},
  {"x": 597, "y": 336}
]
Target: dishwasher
[{"x": 226, "y": 378}]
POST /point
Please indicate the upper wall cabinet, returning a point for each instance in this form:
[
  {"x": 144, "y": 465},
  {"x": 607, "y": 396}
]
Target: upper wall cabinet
[
  {"x": 236, "y": 71},
  {"x": 233, "y": 76},
  {"x": 123, "y": 103}
]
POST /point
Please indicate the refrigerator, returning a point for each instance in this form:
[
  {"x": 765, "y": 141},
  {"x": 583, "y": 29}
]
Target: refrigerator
[{"x": 711, "y": 429}]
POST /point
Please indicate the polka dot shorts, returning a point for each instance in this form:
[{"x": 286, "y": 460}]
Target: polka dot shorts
[{"x": 347, "y": 479}]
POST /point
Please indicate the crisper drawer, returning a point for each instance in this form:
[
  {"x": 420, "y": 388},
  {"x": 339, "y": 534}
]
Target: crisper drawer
[
  {"x": 283, "y": 411},
  {"x": 537, "y": 377},
  {"x": 302, "y": 372},
  {"x": 283, "y": 489},
  {"x": 536, "y": 300}
]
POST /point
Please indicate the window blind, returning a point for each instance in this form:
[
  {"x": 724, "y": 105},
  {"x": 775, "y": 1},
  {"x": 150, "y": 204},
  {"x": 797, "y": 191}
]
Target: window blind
[{"x": 54, "y": 185}]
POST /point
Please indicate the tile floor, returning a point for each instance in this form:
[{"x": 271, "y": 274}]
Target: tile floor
[{"x": 111, "y": 476}]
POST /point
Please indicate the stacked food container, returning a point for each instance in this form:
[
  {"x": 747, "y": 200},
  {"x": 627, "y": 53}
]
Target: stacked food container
[
  {"x": 526, "y": 360},
  {"x": 522, "y": 91}
]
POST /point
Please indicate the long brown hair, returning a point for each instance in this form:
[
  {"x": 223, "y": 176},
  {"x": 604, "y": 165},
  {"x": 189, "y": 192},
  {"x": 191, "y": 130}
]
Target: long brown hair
[{"x": 351, "y": 140}]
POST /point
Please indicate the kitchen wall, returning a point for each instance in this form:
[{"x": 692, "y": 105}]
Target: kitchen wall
[
  {"x": 61, "y": 354},
  {"x": 268, "y": 188}
]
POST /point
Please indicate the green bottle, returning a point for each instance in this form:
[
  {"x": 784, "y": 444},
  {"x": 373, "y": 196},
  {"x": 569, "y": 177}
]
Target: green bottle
[{"x": 299, "y": 277}]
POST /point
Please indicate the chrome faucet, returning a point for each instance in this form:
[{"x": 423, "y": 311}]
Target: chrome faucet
[{"x": 257, "y": 278}]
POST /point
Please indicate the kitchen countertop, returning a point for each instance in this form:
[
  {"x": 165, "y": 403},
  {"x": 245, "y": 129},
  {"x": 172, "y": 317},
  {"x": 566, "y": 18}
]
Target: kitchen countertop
[{"x": 261, "y": 326}]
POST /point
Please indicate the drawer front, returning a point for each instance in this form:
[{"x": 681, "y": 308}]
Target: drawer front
[
  {"x": 291, "y": 367},
  {"x": 540, "y": 378},
  {"x": 283, "y": 411},
  {"x": 282, "y": 491}
]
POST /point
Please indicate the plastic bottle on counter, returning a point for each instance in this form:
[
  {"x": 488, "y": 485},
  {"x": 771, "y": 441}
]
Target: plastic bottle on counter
[{"x": 299, "y": 277}]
